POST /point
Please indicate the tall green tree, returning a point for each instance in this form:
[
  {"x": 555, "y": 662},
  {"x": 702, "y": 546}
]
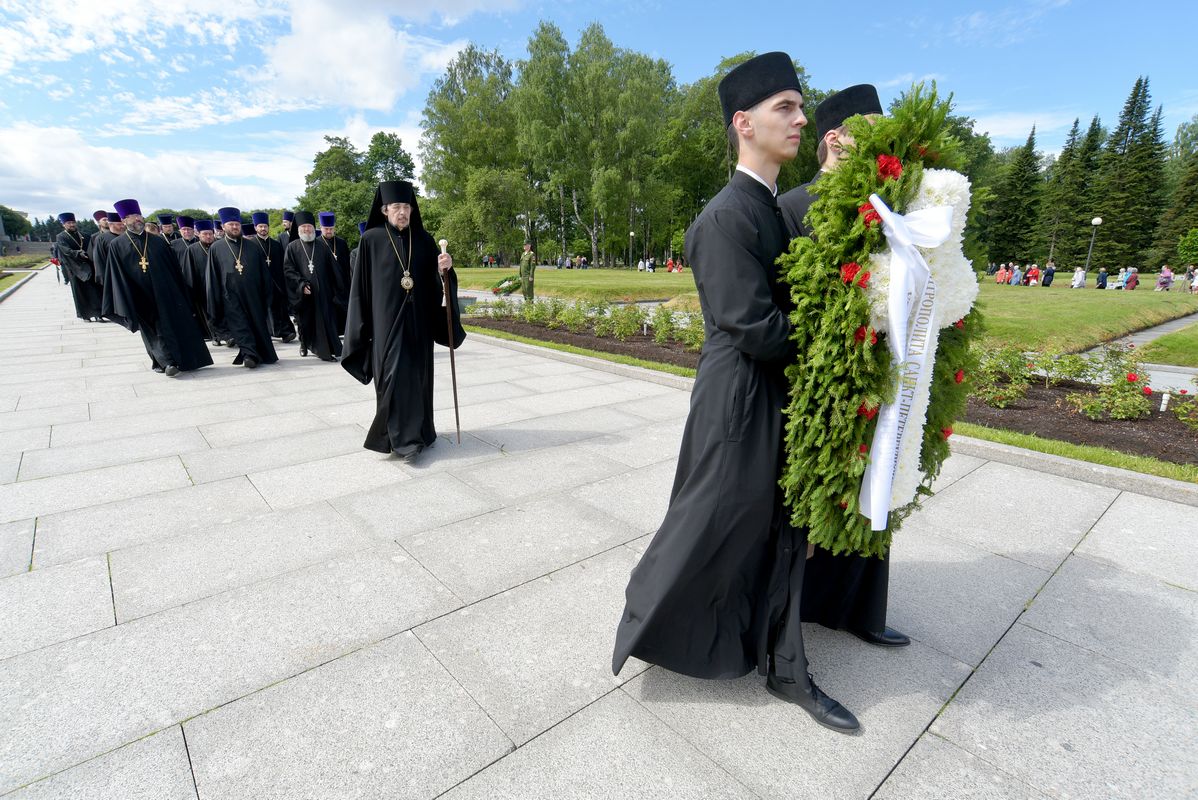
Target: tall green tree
[
  {"x": 14, "y": 224},
  {"x": 1129, "y": 189},
  {"x": 1012, "y": 214},
  {"x": 1060, "y": 192},
  {"x": 1181, "y": 215}
]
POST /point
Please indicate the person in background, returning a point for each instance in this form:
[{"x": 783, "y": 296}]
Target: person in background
[
  {"x": 1016, "y": 276},
  {"x": 1079, "y": 279},
  {"x": 1033, "y": 276},
  {"x": 1002, "y": 276},
  {"x": 1050, "y": 272},
  {"x": 1100, "y": 281},
  {"x": 1133, "y": 279},
  {"x": 1165, "y": 282}
]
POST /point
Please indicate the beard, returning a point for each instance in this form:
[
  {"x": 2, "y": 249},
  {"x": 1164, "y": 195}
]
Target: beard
[
  {"x": 307, "y": 237},
  {"x": 135, "y": 228}
]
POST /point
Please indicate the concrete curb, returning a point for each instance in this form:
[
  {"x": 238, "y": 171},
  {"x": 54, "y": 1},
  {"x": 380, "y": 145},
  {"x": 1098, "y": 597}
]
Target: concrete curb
[
  {"x": 1170, "y": 368},
  {"x": 4, "y": 295},
  {"x": 637, "y": 373},
  {"x": 1111, "y": 477}
]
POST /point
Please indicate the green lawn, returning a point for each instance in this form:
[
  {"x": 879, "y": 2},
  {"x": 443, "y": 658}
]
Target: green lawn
[
  {"x": 1035, "y": 318},
  {"x": 23, "y": 261},
  {"x": 1179, "y": 348},
  {"x": 611, "y": 285},
  {"x": 9, "y": 280}
]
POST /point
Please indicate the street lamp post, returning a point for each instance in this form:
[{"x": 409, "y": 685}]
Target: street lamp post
[
  {"x": 631, "y": 237},
  {"x": 1093, "y": 234}
]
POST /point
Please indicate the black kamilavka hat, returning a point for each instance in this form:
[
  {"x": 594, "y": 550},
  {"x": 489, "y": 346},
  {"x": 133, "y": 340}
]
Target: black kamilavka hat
[
  {"x": 753, "y": 81},
  {"x": 394, "y": 192},
  {"x": 836, "y": 108}
]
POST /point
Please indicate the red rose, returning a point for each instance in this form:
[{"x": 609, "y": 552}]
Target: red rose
[
  {"x": 843, "y": 505},
  {"x": 947, "y": 432},
  {"x": 848, "y": 272},
  {"x": 960, "y": 376},
  {"x": 868, "y": 214},
  {"x": 863, "y": 281},
  {"x": 860, "y": 334},
  {"x": 863, "y": 449},
  {"x": 873, "y": 337},
  {"x": 1131, "y": 347},
  {"x": 889, "y": 167},
  {"x": 867, "y": 412},
  {"x": 959, "y": 324},
  {"x": 1132, "y": 377},
  {"x": 1148, "y": 391},
  {"x": 1183, "y": 391}
]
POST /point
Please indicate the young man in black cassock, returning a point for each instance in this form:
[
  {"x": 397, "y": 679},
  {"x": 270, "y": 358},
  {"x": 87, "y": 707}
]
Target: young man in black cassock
[
  {"x": 144, "y": 292},
  {"x": 195, "y": 276},
  {"x": 285, "y": 236},
  {"x": 313, "y": 280},
  {"x": 97, "y": 246},
  {"x": 717, "y": 593},
  {"x": 843, "y": 592},
  {"x": 239, "y": 291},
  {"x": 272, "y": 251},
  {"x": 353, "y": 254},
  {"x": 74, "y": 256},
  {"x": 166, "y": 227},
  {"x": 184, "y": 240},
  {"x": 395, "y": 314},
  {"x": 339, "y": 249}
]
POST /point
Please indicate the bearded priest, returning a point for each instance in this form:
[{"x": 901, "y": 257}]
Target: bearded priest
[
  {"x": 272, "y": 251},
  {"x": 144, "y": 292},
  {"x": 313, "y": 281},
  {"x": 339, "y": 249},
  {"x": 395, "y": 314},
  {"x": 75, "y": 255},
  {"x": 717, "y": 593},
  {"x": 239, "y": 292}
]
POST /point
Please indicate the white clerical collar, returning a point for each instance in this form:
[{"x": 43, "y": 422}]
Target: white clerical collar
[{"x": 742, "y": 168}]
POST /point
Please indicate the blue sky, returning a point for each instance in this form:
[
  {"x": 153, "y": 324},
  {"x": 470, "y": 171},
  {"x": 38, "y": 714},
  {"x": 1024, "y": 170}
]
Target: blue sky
[{"x": 204, "y": 104}]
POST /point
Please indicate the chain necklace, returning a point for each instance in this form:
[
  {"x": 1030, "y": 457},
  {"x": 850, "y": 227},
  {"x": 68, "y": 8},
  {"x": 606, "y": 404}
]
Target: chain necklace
[
  {"x": 332, "y": 249},
  {"x": 144, "y": 261},
  {"x": 237, "y": 255},
  {"x": 406, "y": 281},
  {"x": 76, "y": 236},
  {"x": 265, "y": 250},
  {"x": 312, "y": 255}
]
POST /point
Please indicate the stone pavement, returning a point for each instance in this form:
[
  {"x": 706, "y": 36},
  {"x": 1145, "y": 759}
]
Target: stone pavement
[{"x": 210, "y": 590}]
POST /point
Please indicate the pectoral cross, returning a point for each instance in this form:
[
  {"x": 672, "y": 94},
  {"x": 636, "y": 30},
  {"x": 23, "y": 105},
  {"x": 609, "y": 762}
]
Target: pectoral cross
[
  {"x": 268, "y": 261},
  {"x": 143, "y": 264},
  {"x": 237, "y": 266}
]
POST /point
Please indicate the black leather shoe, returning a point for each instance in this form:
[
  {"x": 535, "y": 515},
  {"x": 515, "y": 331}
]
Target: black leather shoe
[
  {"x": 888, "y": 637},
  {"x": 157, "y": 369},
  {"x": 288, "y": 338},
  {"x": 171, "y": 371},
  {"x": 251, "y": 363},
  {"x": 823, "y": 709},
  {"x": 303, "y": 351}
]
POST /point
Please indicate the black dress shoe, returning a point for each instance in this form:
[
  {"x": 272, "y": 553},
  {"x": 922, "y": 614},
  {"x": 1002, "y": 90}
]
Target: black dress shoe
[
  {"x": 288, "y": 338},
  {"x": 158, "y": 369},
  {"x": 888, "y": 637},
  {"x": 303, "y": 351},
  {"x": 251, "y": 363},
  {"x": 823, "y": 709},
  {"x": 171, "y": 371}
]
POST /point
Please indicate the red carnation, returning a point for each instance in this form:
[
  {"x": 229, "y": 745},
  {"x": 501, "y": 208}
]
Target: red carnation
[
  {"x": 889, "y": 167},
  {"x": 848, "y": 272},
  {"x": 1183, "y": 391},
  {"x": 868, "y": 214},
  {"x": 959, "y": 324},
  {"x": 960, "y": 376},
  {"x": 863, "y": 281},
  {"x": 843, "y": 505},
  {"x": 947, "y": 432},
  {"x": 860, "y": 334},
  {"x": 873, "y": 337},
  {"x": 867, "y": 412},
  {"x": 1148, "y": 391},
  {"x": 1132, "y": 377},
  {"x": 862, "y": 449}
]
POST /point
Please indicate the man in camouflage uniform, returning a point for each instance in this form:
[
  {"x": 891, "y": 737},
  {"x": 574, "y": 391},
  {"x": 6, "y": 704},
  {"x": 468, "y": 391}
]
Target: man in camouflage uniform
[{"x": 528, "y": 265}]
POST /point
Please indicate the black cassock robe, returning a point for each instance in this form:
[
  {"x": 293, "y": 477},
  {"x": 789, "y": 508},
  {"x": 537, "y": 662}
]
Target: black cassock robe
[
  {"x": 194, "y": 266},
  {"x": 339, "y": 248},
  {"x": 839, "y": 591},
  {"x": 390, "y": 332},
  {"x": 179, "y": 245},
  {"x": 315, "y": 313},
  {"x": 239, "y": 300},
  {"x": 75, "y": 256},
  {"x": 97, "y": 248},
  {"x": 272, "y": 252},
  {"x": 284, "y": 238},
  {"x": 152, "y": 301},
  {"x": 716, "y": 593}
]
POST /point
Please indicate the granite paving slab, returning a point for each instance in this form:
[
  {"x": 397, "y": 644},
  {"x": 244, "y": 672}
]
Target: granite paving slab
[
  {"x": 69, "y": 492},
  {"x": 16, "y": 547},
  {"x": 82, "y": 457},
  {"x": 254, "y": 429},
  {"x": 638, "y": 498},
  {"x": 1149, "y": 536},
  {"x": 10, "y": 464},
  {"x": 213, "y": 464},
  {"x": 538, "y": 472},
  {"x": 285, "y": 487},
  {"x": 397, "y": 511},
  {"x": 47, "y": 606},
  {"x": 24, "y": 439},
  {"x": 936, "y": 768}
]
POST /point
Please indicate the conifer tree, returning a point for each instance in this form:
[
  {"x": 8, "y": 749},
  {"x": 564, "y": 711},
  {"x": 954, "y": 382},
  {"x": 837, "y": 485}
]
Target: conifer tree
[
  {"x": 1130, "y": 183},
  {"x": 1013, "y": 214},
  {"x": 1060, "y": 192},
  {"x": 1181, "y": 215}
]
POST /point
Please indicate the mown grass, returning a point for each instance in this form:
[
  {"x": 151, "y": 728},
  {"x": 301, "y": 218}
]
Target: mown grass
[
  {"x": 9, "y": 280},
  {"x": 673, "y": 369},
  {"x": 1081, "y": 452},
  {"x": 23, "y": 261},
  {"x": 1179, "y": 348},
  {"x": 592, "y": 285}
]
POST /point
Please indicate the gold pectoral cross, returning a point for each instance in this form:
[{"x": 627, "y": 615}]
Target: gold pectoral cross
[
  {"x": 268, "y": 261},
  {"x": 237, "y": 266},
  {"x": 143, "y": 264}
]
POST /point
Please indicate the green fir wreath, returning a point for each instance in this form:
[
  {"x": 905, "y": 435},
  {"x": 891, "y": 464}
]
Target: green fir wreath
[{"x": 843, "y": 373}]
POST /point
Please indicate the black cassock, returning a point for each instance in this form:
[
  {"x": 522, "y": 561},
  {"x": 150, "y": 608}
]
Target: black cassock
[
  {"x": 179, "y": 245},
  {"x": 284, "y": 239},
  {"x": 272, "y": 252},
  {"x": 312, "y": 265},
  {"x": 839, "y": 591},
  {"x": 712, "y": 597},
  {"x": 390, "y": 333},
  {"x": 97, "y": 248},
  {"x": 239, "y": 299},
  {"x": 152, "y": 301},
  {"x": 339, "y": 249},
  {"x": 75, "y": 256},
  {"x": 194, "y": 265}
]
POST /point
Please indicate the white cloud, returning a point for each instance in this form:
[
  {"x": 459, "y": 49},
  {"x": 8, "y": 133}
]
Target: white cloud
[
  {"x": 1009, "y": 26},
  {"x": 1014, "y": 126}
]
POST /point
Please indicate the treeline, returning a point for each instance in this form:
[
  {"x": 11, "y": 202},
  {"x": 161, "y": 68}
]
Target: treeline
[{"x": 1144, "y": 191}]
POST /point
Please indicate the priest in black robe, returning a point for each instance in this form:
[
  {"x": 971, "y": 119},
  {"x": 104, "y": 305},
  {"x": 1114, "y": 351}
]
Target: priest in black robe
[
  {"x": 353, "y": 254},
  {"x": 339, "y": 249},
  {"x": 313, "y": 280},
  {"x": 145, "y": 294},
  {"x": 116, "y": 228},
  {"x": 285, "y": 236},
  {"x": 717, "y": 593},
  {"x": 395, "y": 315},
  {"x": 272, "y": 252},
  {"x": 184, "y": 240},
  {"x": 195, "y": 277},
  {"x": 239, "y": 291},
  {"x": 166, "y": 227},
  {"x": 97, "y": 248},
  {"x": 74, "y": 256},
  {"x": 845, "y": 592}
]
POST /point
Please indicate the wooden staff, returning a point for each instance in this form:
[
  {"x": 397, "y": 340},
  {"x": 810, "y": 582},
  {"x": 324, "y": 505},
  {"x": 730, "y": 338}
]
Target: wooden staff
[{"x": 453, "y": 367}]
